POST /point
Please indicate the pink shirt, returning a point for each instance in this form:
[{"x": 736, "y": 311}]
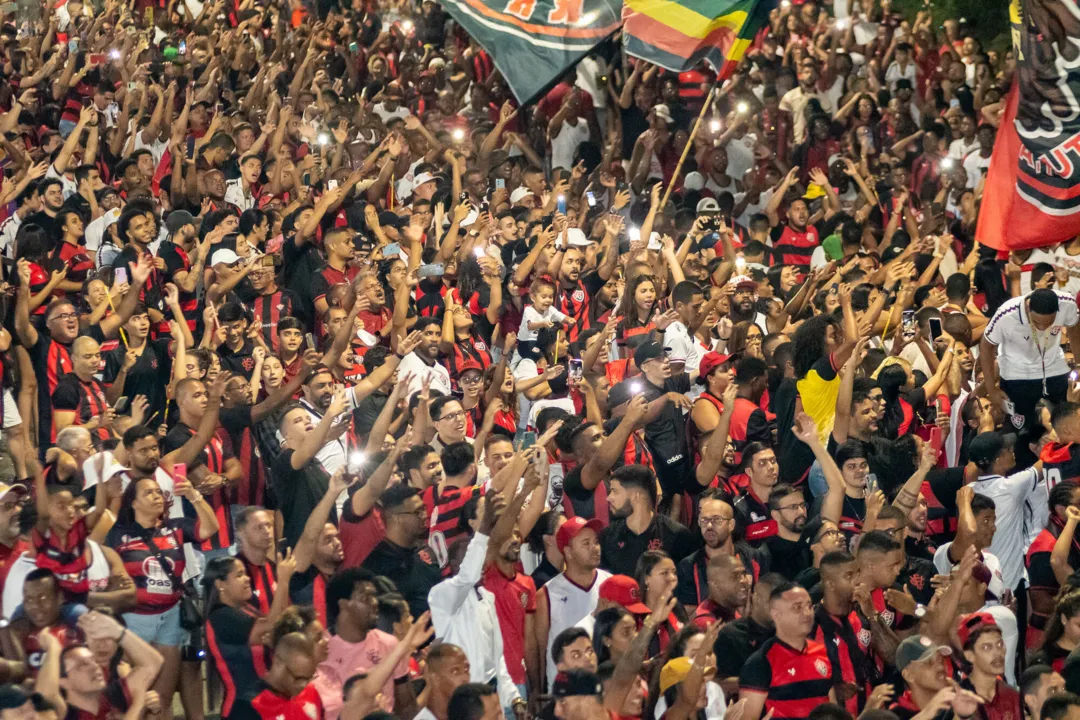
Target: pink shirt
[{"x": 345, "y": 659}]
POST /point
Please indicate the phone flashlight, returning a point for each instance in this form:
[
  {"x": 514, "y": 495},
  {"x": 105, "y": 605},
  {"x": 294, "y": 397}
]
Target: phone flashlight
[
  {"x": 407, "y": 26},
  {"x": 743, "y": 108},
  {"x": 458, "y": 135},
  {"x": 356, "y": 461},
  {"x": 635, "y": 386},
  {"x": 322, "y": 139},
  {"x": 714, "y": 126},
  {"x": 478, "y": 252},
  {"x": 114, "y": 54},
  {"x": 1074, "y": 375},
  {"x": 634, "y": 234},
  {"x": 842, "y": 24},
  {"x": 740, "y": 262},
  {"x": 947, "y": 163}
]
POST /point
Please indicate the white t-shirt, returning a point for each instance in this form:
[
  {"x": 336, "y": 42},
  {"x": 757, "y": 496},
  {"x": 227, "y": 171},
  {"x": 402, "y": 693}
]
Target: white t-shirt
[
  {"x": 387, "y": 115},
  {"x": 683, "y": 347},
  {"x": 1022, "y": 510},
  {"x": 1038, "y": 255},
  {"x": 568, "y": 603},
  {"x": 8, "y": 229},
  {"x": 564, "y": 145},
  {"x": 976, "y": 166},
  {"x": 235, "y": 195},
  {"x": 530, "y": 315},
  {"x": 1062, "y": 259},
  {"x": 896, "y": 72},
  {"x": 440, "y": 378},
  {"x": 945, "y": 566},
  {"x": 960, "y": 148},
  {"x": 1023, "y": 353}
]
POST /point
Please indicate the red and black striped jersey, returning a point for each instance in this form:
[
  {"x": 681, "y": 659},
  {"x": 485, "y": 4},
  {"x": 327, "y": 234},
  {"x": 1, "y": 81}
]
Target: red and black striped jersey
[
  {"x": 84, "y": 398},
  {"x": 792, "y": 247},
  {"x": 267, "y": 310},
  {"x": 753, "y": 519},
  {"x": 156, "y": 589},
  {"x": 794, "y": 681},
  {"x": 213, "y": 456},
  {"x": 68, "y": 563},
  {"x": 444, "y": 508},
  {"x": 846, "y": 642},
  {"x": 263, "y": 583}
]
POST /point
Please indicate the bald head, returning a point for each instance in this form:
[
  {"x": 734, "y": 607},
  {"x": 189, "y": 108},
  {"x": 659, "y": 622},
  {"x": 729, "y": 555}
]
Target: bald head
[
  {"x": 85, "y": 357},
  {"x": 191, "y": 398}
]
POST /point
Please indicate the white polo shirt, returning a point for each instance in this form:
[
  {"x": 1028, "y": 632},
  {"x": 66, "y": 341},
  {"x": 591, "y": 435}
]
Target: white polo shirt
[{"x": 1024, "y": 353}]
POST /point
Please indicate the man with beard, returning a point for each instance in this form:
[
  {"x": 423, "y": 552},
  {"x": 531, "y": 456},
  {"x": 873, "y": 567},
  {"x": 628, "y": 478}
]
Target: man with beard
[
  {"x": 790, "y": 674},
  {"x": 464, "y": 613},
  {"x": 571, "y": 595},
  {"x": 1037, "y": 684},
  {"x": 665, "y": 428},
  {"x": 574, "y": 292},
  {"x": 788, "y": 555},
  {"x": 137, "y": 228},
  {"x": 52, "y": 202},
  {"x": 12, "y": 542},
  {"x": 515, "y": 605},
  {"x": 635, "y": 525},
  {"x": 50, "y": 351},
  {"x": 793, "y": 242},
  {"x": 41, "y": 599},
  {"x": 1044, "y": 586},
  {"x": 729, "y": 590},
  {"x": 739, "y": 639},
  {"x": 356, "y": 644},
  {"x": 984, "y": 647},
  {"x": 338, "y": 244},
  {"x": 839, "y": 628},
  {"x": 743, "y": 304},
  {"x": 716, "y": 519},
  {"x": 402, "y": 555},
  {"x": 422, "y": 467},
  {"x": 916, "y": 541},
  {"x": 423, "y": 360}
]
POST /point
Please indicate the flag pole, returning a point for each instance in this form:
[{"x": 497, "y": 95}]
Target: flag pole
[{"x": 689, "y": 143}]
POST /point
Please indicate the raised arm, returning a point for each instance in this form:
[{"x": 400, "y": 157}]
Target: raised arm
[
  {"x": 806, "y": 431},
  {"x": 609, "y": 452},
  {"x": 1059, "y": 556}
]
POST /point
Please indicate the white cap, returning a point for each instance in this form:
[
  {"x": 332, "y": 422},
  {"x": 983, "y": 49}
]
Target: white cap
[
  {"x": 224, "y": 255},
  {"x": 575, "y": 236},
  {"x": 663, "y": 113},
  {"x": 520, "y": 193},
  {"x": 421, "y": 179},
  {"x": 110, "y": 468},
  {"x": 18, "y": 489},
  {"x": 707, "y": 204},
  {"x": 694, "y": 181}
]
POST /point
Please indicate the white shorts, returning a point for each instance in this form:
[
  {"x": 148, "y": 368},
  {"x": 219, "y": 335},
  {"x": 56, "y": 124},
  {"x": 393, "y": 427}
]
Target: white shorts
[{"x": 11, "y": 411}]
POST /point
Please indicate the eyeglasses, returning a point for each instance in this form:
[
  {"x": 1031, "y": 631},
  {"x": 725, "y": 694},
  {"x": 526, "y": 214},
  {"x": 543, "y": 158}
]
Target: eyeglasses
[
  {"x": 711, "y": 521},
  {"x": 64, "y": 316},
  {"x": 471, "y": 380},
  {"x": 830, "y": 532},
  {"x": 453, "y": 416},
  {"x": 796, "y": 506}
]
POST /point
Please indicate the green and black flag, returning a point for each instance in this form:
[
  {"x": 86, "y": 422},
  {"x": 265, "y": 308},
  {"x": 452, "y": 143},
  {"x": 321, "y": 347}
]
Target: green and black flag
[{"x": 533, "y": 42}]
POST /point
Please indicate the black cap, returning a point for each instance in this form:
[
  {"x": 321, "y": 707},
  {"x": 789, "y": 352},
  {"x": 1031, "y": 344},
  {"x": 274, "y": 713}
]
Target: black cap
[
  {"x": 392, "y": 219},
  {"x": 621, "y": 392},
  {"x": 12, "y": 697},
  {"x": 648, "y": 351},
  {"x": 574, "y": 683},
  {"x": 985, "y": 447}
]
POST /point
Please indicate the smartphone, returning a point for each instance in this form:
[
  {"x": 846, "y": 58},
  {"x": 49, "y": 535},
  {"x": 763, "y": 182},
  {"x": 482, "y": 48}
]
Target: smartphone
[
  {"x": 391, "y": 250},
  {"x": 527, "y": 440},
  {"x": 935, "y": 438},
  {"x": 95, "y": 58},
  {"x": 561, "y": 204},
  {"x": 353, "y": 47},
  {"x": 306, "y": 178},
  {"x": 935, "y": 328},
  {"x": 331, "y": 184},
  {"x": 576, "y": 369},
  {"x": 500, "y": 184},
  {"x": 119, "y": 403},
  {"x": 183, "y": 47},
  {"x": 433, "y": 270},
  {"x": 179, "y": 471},
  {"x": 908, "y": 322},
  {"x": 310, "y": 340},
  {"x": 73, "y": 45},
  {"x": 267, "y": 261},
  {"x": 740, "y": 264},
  {"x": 871, "y": 483},
  {"x": 121, "y": 275},
  {"x": 591, "y": 198}
]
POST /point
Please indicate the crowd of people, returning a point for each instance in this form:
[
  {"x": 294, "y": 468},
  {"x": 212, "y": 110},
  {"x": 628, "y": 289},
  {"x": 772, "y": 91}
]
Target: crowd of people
[{"x": 336, "y": 384}]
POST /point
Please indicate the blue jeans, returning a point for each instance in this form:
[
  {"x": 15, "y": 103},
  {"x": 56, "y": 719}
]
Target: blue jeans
[
  {"x": 816, "y": 480},
  {"x": 161, "y": 628}
]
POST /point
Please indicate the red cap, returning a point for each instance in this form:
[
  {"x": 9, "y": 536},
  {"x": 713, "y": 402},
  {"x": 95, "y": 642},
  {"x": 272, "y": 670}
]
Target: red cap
[
  {"x": 572, "y": 527},
  {"x": 624, "y": 590},
  {"x": 469, "y": 365},
  {"x": 710, "y": 361},
  {"x": 971, "y": 623}
]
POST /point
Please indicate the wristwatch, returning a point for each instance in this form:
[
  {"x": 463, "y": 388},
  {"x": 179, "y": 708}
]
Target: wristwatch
[{"x": 920, "y": 610}]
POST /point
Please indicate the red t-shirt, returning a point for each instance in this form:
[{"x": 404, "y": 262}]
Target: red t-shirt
[
  {"x": 515, "y": 598},
  {"x": 273, "y": 706}
]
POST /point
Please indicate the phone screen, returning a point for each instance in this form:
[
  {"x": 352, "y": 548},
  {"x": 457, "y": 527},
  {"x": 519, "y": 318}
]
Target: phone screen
[
  {"x": 528, "y": 439},
  {"x": 935, "y": 328}
]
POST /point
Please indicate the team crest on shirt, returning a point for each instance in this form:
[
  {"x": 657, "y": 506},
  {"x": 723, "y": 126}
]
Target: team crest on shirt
[
  {"x": 248, "y": 363},
  {"x": 888, "y": 617},
  {"x": 480, "y": 345},
  {"x": 310, "y": 710},
  {"x": 1017, "y": 421},
  {"x": 153, "y": 363},
  {"x": 822, "y": 667},
  {"x": 578, "y": 296},
  {"x": 864, "y": 638},
  {"x": 655, "y": 544},
  {"x": 425, "y": 556}
]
